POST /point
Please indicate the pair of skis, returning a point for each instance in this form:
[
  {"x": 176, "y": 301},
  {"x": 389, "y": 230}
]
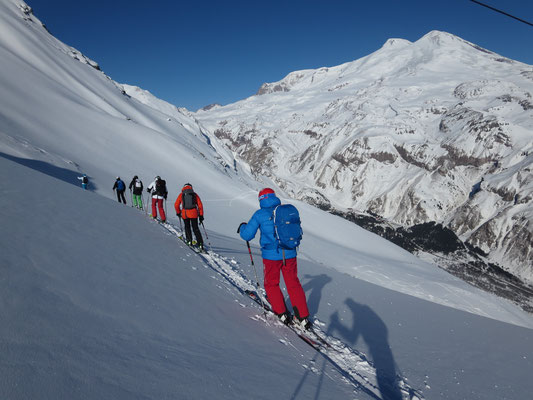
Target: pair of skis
[
  {"x": 307, "y": 335},
  {"x": 180, "y": 236}
]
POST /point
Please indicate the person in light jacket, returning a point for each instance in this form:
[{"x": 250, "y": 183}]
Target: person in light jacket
[{"x": 158, "y": 190}]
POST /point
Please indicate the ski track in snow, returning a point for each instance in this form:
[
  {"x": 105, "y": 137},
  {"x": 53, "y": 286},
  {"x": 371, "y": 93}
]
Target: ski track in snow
[{"x": 353, "y": 365}]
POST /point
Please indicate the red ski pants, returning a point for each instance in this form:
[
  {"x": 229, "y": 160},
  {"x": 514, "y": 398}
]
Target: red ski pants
[
  {"x": 159, "y": 203},
  {"x": 290, "y": 276}
]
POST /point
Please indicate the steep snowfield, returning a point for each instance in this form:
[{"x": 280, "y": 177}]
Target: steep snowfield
[
  {"x": 98, "y": 303},
  {"x": 406, "y": 133},
  {"x": 110, "y": 305}
]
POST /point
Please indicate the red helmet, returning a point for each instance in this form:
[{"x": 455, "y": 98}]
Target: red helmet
[{"x": 264, "y": 193}]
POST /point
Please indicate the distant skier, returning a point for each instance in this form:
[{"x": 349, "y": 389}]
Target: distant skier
[
  {"x": 158, "y": 190},
  {"x": 120, "y": 187},
  {"x": 84, "y": 181},
  {"x": 137, "y": 186},
  {"x": 276, "y": 260},
  {"x": 189, "y": 207}
]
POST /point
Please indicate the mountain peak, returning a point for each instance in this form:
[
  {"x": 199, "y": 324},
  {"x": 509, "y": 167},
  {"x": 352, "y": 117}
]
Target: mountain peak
[
  {"x": 395, "y": 42},
  {"x": 445, "y": 39},
  {"x": 439, "y": 37}
]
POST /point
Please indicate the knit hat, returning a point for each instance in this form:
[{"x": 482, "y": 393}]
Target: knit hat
[{"x": 263, "y": 194}]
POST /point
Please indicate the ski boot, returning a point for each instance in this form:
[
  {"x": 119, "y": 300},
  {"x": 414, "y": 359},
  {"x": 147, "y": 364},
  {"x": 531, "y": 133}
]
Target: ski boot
[
  {"x": 285, "y": 317},
  {"x": 302, "y": 323}
]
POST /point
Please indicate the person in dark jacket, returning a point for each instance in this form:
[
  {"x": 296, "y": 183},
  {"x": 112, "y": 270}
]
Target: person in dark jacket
[
  {"x": 136, "y": 187},
  {"x": 189, "y": 207},
  {"x": 120, "y": 187},
  {"x": 273, "y": 257}
]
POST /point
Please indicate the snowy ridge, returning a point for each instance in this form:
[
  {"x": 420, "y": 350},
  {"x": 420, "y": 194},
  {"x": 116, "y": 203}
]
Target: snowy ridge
[{"x": 406, "y": 133}]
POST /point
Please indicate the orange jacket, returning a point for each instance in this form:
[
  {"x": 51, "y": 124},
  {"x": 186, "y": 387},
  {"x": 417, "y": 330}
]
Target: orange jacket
[{"x": 193, "y": 212}]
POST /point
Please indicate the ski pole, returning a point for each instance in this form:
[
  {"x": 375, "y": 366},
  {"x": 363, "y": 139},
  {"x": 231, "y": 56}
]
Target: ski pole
[
  {"x": 205, "y": 231},
  {"x": 181, "y": 227},
  {"x": 131, "y": 197},
  {"x": 256, "y": 278},
  {"x": 145, "y": 204},
  {"x": 255, "y": 271}
]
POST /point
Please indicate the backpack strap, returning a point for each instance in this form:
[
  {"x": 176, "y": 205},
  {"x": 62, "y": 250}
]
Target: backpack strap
[
  {"x": 276, "y": 236},
  {"x": 273, "y": 218}
]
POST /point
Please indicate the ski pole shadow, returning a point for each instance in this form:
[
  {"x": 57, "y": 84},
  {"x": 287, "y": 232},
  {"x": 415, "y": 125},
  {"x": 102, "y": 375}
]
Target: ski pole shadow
[
  {"x": 315, "y": 284},
  {"x": 63, "y": 174},
  {"x": 369, "y": 326},
  {"x": 307, "y": 373}
]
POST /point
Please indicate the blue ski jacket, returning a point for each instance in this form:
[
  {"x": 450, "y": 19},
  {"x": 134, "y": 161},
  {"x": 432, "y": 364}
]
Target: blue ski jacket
[{"x": 263, "y": 219}]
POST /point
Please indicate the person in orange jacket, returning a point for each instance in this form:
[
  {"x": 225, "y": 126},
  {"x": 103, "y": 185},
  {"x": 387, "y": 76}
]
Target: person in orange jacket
[{"x": 189, "y": 207}]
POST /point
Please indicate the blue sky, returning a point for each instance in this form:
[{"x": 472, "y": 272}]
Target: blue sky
[{"x": 192, "y": 53}]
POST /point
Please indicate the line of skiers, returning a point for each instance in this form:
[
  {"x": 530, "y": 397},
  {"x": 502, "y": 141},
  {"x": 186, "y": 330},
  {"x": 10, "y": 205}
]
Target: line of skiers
[
  {"x": 278, "y": 248},
  {"x": 188, "y": 205}
]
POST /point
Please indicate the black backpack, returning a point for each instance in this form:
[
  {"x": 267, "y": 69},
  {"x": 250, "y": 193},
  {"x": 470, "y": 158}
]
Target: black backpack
[
  {"x": 84, "y": 180},
  {"x": 189, "y": 199},
  {"x": 161, "y": 187}
]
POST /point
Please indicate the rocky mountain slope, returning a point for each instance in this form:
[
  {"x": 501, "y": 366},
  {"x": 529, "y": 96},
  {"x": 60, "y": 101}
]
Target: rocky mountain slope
[{"x": 439, "y": 130}]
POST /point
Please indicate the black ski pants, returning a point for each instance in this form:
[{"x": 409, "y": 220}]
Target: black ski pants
[
  {"x": 120, "y": 195},
  {"x": 188, "y": 234}
]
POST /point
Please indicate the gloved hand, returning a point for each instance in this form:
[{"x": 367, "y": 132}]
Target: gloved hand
[
  {"x": 148, "y": 190},
  {"x": 178, "y": 215},
  {"x": 201, "y": 218},
  {"x": 239, "y": 229},
  {"x": 165, "y": 196}
]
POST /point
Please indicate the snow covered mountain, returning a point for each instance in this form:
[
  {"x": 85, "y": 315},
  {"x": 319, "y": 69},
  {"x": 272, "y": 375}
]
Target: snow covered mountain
[
  {"x": 99, "y": 301},
  {"x": 435, "y": 130}
]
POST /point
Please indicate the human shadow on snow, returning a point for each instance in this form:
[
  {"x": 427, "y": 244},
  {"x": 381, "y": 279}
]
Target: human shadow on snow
[
  {"x": 314, "y": 286},
  {"x": 369, "y": 326},
  {"x": 62, "y": 174}
]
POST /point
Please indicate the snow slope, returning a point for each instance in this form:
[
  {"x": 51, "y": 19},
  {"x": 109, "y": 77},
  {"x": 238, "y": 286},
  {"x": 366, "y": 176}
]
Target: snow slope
[
  {"x": 99, "y": 301},
  {"x": 106, "y": 298}
]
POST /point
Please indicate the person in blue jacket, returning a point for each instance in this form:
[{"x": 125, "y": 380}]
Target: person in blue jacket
[
  {"x": 120, "y": 187},
  {"x": 273, "y": 261}
]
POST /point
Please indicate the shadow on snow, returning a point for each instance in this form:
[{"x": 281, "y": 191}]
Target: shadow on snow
[
  {"x": 367, "y": 325},
  {"x": 63, "y": 174}
]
